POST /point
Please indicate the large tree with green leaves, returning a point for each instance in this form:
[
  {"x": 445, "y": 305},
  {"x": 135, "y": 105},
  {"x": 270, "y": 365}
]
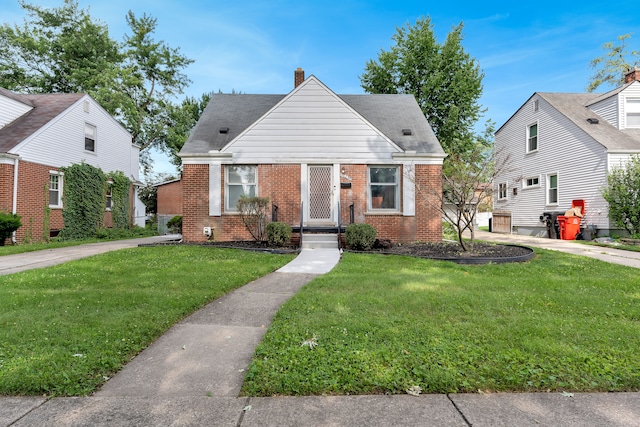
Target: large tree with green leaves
[
  {"x": 610, "y": 68},
  {"x": 446, "y": 81},
  {"x": 65, "y": 50}
]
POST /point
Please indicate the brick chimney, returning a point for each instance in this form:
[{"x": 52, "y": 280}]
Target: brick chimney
[
  {"x": 298, "y": 77},
  {"x": 632, "y": 74}
]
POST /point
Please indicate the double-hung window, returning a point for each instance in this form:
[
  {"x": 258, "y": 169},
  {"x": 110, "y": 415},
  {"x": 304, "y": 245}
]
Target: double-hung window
[
  {"x": 240, "y": 180},
  {"x": 532, "y": 137},
  {"x": 109, "y": 201},
  {"x": 89, "y": 138},
  {"x": 384, "y": 187},
  {"x": 552, "y": 189},
  {"x": 632, "y": 109},
  {"x": 502, "y": 191},
  {"x": 55, "y": 190}
]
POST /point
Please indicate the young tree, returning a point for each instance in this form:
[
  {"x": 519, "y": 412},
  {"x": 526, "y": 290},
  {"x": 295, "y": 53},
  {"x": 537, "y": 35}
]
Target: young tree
[
  {"x": 611, "y": 67},
  {"x": 623, "y": 195},
  {"x": 466, "y": 183},
  {"x": 65, "y": 50},
  {"x": 446, "y": 81}
]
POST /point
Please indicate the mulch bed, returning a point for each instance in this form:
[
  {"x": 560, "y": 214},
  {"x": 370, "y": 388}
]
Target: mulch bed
[{"x": 450, "y": 251}]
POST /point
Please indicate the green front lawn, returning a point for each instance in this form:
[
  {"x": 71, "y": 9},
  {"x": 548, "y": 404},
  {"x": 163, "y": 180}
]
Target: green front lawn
[
  {"x": 382, "y": 324},
  {"x": 65, "y": 329}
]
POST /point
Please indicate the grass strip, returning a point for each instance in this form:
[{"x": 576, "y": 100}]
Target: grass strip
[
  {"x": 382, "y": 324},
  {"x": 64, "y": 330}
]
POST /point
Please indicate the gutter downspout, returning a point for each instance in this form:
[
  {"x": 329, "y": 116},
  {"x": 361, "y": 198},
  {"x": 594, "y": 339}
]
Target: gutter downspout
[{"x": 14, "y": 209}]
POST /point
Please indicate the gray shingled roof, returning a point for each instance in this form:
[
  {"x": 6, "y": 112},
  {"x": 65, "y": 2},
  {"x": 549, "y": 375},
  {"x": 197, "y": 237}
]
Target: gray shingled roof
[
  {"x": 46, "y": 108},
  {"x": 574, "y": 107},
  {"x": 388, "y": 113}
]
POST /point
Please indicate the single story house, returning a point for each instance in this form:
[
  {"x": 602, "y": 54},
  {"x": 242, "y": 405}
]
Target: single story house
[
  {"x": 39, "y": 135},
  {"x": 561, "y": 147},
  {"x": 323, "y": 160}
]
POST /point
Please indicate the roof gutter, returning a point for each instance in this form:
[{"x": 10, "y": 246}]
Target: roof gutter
[{"x": 420, "y": 158}]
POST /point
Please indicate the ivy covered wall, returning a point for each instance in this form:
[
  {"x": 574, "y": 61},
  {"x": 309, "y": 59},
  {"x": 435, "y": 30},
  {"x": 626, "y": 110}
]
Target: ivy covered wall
[{"x": 85, "y": 197}]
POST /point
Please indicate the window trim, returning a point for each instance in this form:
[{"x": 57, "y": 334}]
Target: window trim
[
  {"x": 549, "y": 188},
  {"x": 503, "y": 192},
  {"x": 232, "y": 209},
  {"x": 526, "y": 185},
  {"x": 395, "y": 184},
  {"x": 93, "y": 127},
  {"x": 60, "y": 189},
  {"x": 528, "y": 140}
]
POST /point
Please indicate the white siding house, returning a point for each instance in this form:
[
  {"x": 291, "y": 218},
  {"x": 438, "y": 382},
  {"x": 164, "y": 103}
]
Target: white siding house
[
  {"x": 561, "y": 147},
  {"x": 39, "y": 134}
]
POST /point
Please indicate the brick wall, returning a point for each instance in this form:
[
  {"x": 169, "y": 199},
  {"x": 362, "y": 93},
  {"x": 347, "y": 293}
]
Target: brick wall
[
  {"x": 170, "y": 198},
  {"x": 195, "y": 203},
  {"x": 281, "y": 183},
  {"x": 6, "y": 187},
  {"x": 33, "y": 201}
]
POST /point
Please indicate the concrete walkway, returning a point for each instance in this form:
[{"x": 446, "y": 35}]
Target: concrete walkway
[
  {"x": 10, "y": 264},
  {"x": 191, "y": 376},
  {"x": 611, "y": 255}
]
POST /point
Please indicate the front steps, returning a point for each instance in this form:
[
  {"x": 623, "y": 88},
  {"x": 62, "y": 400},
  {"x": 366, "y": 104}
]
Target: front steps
[{"x": 320, "y": 241}]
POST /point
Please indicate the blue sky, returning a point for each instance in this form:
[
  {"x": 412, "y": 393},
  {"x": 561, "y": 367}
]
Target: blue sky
[{"x": 254, "y": 46}]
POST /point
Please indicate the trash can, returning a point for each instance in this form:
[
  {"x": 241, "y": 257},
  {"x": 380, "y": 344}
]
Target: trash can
[
  {"x": 569, "y": 227},
  {"x": 550, "y": 220}
]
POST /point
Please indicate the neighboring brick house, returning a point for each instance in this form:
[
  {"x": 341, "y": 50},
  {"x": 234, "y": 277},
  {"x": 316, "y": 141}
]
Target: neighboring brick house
[
  {"x": 561, "y": 147},
  {"x": 321, "y": 158},
  {"x": 39, "y": 134},
  {"x": 169, "y": 197}
]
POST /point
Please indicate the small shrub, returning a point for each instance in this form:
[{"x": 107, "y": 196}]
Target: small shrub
[
  {"x": 175, "y": 224},
  {"x": 278, "y": 234},
  {"x": 360, "y": 236},
  {"x": 9, "y": 223},
  {"x": 253, "y": 212}
]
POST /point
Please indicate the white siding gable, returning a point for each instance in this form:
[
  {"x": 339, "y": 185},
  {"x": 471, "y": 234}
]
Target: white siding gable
[
  {"x": 11, "y": 109},
  {"x": 579, "y": 161},
  {"x": 608, "y": 110},
  {"x": 630, "y": 92},
  {"x": 312, "y": 124},
  {"x": 60, "y": 142}
]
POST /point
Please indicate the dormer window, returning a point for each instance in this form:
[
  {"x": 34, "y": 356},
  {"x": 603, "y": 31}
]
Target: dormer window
[{"x": 632, "y": 110}]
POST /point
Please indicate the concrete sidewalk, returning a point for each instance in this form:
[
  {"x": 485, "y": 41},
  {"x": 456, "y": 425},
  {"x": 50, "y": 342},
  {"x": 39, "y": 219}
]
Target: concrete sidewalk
[
  {"x": 191, "y": 376},
  {"x": 607, "y": 254}
]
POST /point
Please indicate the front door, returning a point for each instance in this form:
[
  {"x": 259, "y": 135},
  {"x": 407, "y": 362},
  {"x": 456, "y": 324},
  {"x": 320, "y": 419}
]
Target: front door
[{"x": 320, "y": 201}]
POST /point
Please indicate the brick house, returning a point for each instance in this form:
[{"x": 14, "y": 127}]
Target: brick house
[
  {"x": 39, "y": 135},
  {"x": 322, "y": 159}
]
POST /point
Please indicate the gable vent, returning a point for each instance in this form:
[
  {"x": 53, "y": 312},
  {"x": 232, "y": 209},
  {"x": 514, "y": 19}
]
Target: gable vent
[
  {"x": 406, "y": 131},
  {"x": 224, "y": 130},
  {"x": 593, "y": 121}
]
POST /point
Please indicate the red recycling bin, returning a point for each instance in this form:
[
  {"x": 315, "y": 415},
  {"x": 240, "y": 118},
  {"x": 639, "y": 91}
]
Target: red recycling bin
[{"x": 569, "y": 227}]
